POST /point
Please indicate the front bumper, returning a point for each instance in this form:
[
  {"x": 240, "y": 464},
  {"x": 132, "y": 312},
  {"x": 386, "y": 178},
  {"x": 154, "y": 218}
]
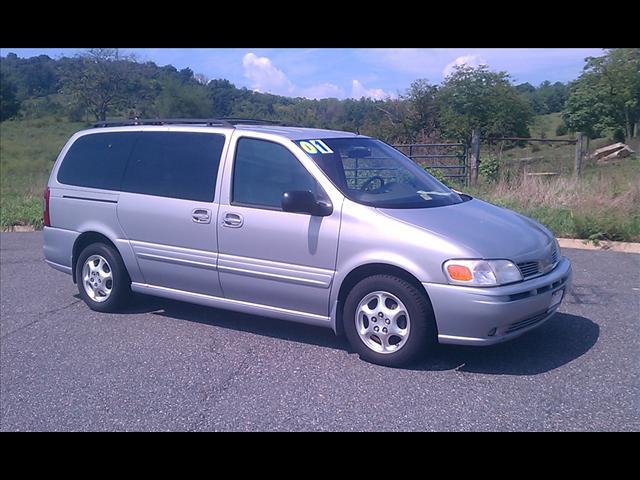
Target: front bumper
[{"x": 484, "y": 316}]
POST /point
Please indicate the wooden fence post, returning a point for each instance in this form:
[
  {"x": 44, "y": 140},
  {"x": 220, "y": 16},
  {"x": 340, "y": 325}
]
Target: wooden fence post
[
  {"x": 475, "y": 156},
  {"x": 579, "y": 153}
]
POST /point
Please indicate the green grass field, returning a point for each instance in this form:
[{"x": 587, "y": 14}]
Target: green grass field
[
  {"x": 602, "y": 205},
  {"x": 28, "y": 149}
]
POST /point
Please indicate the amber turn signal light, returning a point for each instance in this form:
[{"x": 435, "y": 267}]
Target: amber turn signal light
[{"x": 459, "y": 273}]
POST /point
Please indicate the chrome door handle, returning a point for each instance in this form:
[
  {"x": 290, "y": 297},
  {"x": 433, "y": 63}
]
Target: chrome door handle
[
  {"x": 201, "y": 215},
  {"x": 232, "y": 220}
]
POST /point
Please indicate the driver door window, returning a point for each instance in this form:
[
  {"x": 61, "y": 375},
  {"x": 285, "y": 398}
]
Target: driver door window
[{"x": 263, "y": 171}]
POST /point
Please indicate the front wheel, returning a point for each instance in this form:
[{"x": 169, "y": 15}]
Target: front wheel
[{"x": 388, "y": 321}]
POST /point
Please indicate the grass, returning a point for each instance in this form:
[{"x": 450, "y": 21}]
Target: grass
[
  {"x": 28, "y": 150},
  {"x": 603, "y": 204}
]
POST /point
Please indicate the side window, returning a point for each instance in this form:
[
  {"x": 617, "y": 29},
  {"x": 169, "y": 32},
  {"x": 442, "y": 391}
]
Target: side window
[
  {"x": 175, "y": 164},
  {"x": 97, "y": 160},
  {"x": 264, "y": 170}
]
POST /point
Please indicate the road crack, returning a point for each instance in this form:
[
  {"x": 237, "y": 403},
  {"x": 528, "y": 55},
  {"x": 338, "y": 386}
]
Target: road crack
[
  {"x": 40, "y": 318},
  {"x": 217, "y": 390}
]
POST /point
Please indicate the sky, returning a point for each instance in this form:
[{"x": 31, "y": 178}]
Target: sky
[{"x": 350, "y": 72}]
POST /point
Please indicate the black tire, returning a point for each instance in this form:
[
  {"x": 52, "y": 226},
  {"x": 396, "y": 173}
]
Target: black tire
[
  {"x": 422, "y": 334},
  {"x": 121, "y": 283}
]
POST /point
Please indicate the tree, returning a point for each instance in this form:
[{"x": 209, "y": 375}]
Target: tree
[
  {"x": 552, "y": 97},
  {"x": 103, "y": 81},
  {"x": 422, "y": 114},
  {"x": 33, "y": 77},
  {"x": 9, "y": 104},
  {"x": 476, "y": 98},
  {"x": 178, "y": 100},
  {"x": 532, "y": 95},
  {"x": 605, "y": 99},
  {"x": 546, "y": 98},
  {"x": 223, "y": 96}
]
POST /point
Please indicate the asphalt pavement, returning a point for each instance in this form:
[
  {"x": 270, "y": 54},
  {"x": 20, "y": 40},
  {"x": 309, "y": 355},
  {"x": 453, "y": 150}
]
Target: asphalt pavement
[{"x": 166, "y": 365}]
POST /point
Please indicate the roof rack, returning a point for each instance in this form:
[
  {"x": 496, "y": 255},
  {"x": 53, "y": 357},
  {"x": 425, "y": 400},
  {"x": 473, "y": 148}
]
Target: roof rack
[
  {"x": 208, "y": 122},
  {"x": 252, "y": 121}
]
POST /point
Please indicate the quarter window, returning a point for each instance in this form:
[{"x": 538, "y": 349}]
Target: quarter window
[
  {"x": 168, "y": 164},
  {"x": 264, "y": 170},
  {"x": 97, "y": 160}
]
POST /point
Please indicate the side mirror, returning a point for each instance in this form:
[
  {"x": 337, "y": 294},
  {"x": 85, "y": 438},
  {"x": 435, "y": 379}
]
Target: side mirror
[{"x": 302, "y": 201}]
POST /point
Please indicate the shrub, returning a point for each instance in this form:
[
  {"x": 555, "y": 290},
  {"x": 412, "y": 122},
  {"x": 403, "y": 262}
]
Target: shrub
[
  {"x": 562, "y": 129},
  {"x": 489, "y": 168},
  {"x": 605, "y": 225},
  {"x": 618, "y": 135}
]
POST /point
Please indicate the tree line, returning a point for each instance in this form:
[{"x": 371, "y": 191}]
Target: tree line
[{"x": 102, "y": 83}]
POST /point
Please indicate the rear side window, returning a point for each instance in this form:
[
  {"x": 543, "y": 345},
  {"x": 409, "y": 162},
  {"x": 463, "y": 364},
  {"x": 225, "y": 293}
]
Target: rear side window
[
  {"x": 97, "y": 160},
  {"x": 175, "y": 164},
  {"x": 264, "y": 170}
]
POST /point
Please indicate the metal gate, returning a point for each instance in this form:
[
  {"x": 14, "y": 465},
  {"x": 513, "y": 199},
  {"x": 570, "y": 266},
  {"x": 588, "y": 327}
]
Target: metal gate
[{"x": 450, "y": 158}]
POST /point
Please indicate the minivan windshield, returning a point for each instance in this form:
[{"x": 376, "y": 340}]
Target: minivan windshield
[{"x": 370, "y": 172}]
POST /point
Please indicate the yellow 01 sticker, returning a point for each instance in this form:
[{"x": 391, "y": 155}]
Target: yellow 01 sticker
[{"x": 307, "y": 147}]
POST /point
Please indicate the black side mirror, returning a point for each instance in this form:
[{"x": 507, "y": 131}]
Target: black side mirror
[{"x": 303, "y": 201}]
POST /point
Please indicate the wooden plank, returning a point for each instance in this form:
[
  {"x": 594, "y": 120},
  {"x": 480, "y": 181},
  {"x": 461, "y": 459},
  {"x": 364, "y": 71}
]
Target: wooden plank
[
  {"x": 579, "y": 153},
  {"x": 526, "y": 139},
  {"x": 475, "y": 156}
]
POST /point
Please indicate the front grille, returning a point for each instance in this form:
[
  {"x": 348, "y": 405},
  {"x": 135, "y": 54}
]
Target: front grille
[
  {"x": 530, "y": 269},
  {"x": 527, "y": 322}
]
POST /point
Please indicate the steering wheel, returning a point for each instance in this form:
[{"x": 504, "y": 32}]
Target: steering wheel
[{"x": 369, "y": 181}]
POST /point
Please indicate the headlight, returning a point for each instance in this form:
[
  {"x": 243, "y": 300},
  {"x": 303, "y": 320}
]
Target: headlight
[{"x": 481, "y": 273}]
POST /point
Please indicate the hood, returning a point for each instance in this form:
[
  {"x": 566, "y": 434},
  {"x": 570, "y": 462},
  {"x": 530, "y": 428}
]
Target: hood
[{"x": 490, "y": 231}]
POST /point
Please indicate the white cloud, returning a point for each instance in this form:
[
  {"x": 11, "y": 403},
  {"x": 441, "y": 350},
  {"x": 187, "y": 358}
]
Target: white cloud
[
  {"x": 264, "y": 76},
  {"x": 324, "y": 90},
  {"x": 358, "y": 90},
  {"x": 469, "y": 60},
  {"x": 524, "y": 64}
]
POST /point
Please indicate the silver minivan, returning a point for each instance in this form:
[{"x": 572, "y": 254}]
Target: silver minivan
[{"x": 315, "y": 226}]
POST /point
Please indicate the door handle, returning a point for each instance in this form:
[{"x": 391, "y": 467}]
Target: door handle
[
  {"x": 232, "y": 220},
  {"x": 201, "y": 215}
]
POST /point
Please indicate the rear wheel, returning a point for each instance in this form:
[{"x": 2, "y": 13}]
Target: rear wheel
[
  {"x": 388, "y": 321},
  {"x": 103, "y": 281}
]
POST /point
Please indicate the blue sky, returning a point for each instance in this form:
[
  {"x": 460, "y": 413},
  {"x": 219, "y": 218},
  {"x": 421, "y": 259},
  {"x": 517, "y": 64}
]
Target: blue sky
[{"x": 343, "y": 73}]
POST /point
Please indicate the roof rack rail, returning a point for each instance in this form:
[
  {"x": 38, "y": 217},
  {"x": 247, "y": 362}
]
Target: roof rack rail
[
  {"x": 163, "y": 121},
  {"x": 251, "y": 121},
  {"x": 209, "y": 122}
]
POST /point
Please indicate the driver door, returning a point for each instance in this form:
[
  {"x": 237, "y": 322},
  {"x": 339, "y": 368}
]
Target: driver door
[{"x": 268, "y": 256}]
